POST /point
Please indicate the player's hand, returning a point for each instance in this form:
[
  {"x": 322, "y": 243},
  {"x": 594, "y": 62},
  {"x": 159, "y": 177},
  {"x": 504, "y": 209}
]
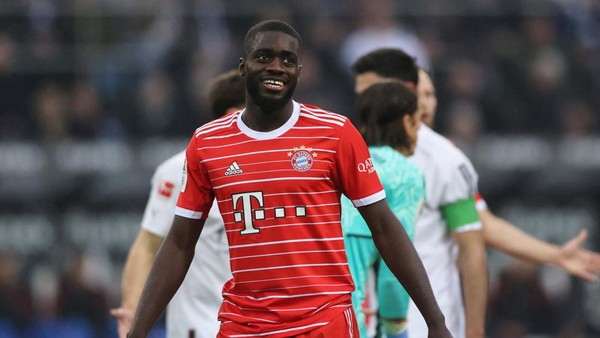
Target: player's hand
[
  {"x": 578, "y": 261},
  {"x": 441, "y": 332},
  {"x": 124, "y": 319}
]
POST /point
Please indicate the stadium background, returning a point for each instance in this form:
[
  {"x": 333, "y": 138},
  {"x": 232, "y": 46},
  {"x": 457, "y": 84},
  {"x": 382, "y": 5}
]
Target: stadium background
[{"x": 95, "y": 93}]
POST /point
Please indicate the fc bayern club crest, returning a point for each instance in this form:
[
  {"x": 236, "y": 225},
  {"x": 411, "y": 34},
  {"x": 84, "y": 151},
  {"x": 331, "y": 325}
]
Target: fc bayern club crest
[{"x": 302, "y": 158}]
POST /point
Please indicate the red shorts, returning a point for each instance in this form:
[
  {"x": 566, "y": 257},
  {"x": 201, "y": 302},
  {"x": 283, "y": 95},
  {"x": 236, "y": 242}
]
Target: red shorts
[{"x": 344, "y": 326}]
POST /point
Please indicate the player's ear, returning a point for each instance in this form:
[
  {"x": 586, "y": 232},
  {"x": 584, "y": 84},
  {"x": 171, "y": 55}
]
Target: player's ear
[{"x": 242, "y": 67}]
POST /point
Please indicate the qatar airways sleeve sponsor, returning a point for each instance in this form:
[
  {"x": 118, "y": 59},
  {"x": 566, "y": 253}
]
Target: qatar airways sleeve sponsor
[{"x": 357, "y": 175}]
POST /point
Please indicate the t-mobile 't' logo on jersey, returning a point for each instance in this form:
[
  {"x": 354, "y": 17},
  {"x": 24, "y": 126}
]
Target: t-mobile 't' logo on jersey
[{"x": 247, "y": 210}]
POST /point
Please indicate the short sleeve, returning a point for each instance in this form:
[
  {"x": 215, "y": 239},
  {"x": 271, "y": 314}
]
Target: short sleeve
[
  {"x": 196, "y": 196},
  {"x": 355, "y": 172},
  {"x": 458, "y": 202}
]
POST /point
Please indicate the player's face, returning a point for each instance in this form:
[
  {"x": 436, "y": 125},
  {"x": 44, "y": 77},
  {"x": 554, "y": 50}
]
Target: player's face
[
  {"x": 427, "y": 98},
  {"x": 272, "y": 69},
  {"x": 366, "y": 80}
]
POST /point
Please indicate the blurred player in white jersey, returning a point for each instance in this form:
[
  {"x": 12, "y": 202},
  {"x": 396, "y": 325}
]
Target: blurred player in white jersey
[
  {"x": 384, "y": 65},
  {"x": 192, "y": 312},
  {"x": 502, "y": 235}
]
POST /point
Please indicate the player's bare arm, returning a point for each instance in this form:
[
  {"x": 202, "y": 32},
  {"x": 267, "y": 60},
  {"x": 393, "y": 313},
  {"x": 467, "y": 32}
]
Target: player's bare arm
[
  {"x": 137, "y": 266},
  {"x": 472, "y": 267},
  {"x": 571, "y": 257},
  {"x": 399, "y": 254},
  {"x": 168, "y": 271}
]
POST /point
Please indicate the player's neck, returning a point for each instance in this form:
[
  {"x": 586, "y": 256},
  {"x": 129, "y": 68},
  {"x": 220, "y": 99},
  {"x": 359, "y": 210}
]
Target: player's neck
[{"x": 264, "y": 119}]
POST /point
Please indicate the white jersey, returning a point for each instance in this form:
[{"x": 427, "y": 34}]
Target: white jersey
[
  {"x": 196, "y": 304},
  {"x": 449, "y": 177}
]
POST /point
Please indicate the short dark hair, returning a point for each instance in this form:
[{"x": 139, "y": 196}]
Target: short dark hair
[
  {"x": 390, "y": 63},
  {"x": 381, "y": 108},
  {"x": 269, "y": 26},
  {"x": 225, "y": 92}
]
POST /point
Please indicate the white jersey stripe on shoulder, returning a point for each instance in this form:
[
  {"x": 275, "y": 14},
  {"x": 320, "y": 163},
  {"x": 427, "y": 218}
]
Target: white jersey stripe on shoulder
[
  {"x": 327, "y": 120},
  {"x": 216, "y": 125},
  {"x": 326, "y": 114},
  {"x": 220, "y": 121},
  {"x": 209, "y": 130}
]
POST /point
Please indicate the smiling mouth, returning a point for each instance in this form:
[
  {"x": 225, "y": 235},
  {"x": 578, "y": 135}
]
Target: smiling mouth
[{"x": 273, "y": 84}]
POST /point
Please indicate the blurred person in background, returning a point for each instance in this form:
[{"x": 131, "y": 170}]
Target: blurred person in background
[
  {"x": 16, "y": 300},
  {"x": 448, "y": 234},
  {"x": 192, "y": 312},
  {"x": 508, "y": 238},
  {"x": 157, "y": 107},
  {"x": 519, "y": 304},
  {"x": 13, "y": 94},
  {"x": 236, "y": 149},
  {"x": 51, "y": 109},
  {"x": 389, "y": 122},
  {"x": 80, "y": 296},
  {"x": 377, "y": 28},
  {"x": 89, "y": 120}
]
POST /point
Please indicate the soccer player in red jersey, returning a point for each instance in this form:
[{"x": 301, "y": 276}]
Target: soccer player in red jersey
[{"x": 277, "y": 170}]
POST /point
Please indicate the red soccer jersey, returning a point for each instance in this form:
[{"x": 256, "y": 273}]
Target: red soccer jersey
[{"x": 279, "y": 194}]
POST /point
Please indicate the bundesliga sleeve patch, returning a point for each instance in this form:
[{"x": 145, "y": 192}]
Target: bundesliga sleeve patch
[{"x": 166, "y": 188}]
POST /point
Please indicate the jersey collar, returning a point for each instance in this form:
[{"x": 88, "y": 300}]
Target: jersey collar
[{"x": 260, "y": 135}]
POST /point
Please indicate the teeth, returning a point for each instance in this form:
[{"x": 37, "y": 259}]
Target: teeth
[{"x": 274, "y": 82}]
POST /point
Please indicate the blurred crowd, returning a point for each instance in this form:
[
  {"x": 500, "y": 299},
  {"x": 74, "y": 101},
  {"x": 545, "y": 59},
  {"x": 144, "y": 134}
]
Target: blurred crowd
[
  {"x": 132, "y": 71},
  {"x": 138, "y": 69}
]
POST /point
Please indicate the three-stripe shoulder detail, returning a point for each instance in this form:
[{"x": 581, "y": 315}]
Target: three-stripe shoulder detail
[
  {"x": 319, "y": 114},
  {"x": 220, "y": 123}
]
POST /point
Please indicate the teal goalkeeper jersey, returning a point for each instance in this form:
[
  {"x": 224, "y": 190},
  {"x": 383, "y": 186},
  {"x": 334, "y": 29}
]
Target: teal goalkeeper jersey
[{"x": 404, "y": 185}]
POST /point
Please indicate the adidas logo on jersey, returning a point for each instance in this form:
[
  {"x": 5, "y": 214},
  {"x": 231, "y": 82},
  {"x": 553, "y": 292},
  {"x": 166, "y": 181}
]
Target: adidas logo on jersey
[{"x": 233, "y": 169}]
